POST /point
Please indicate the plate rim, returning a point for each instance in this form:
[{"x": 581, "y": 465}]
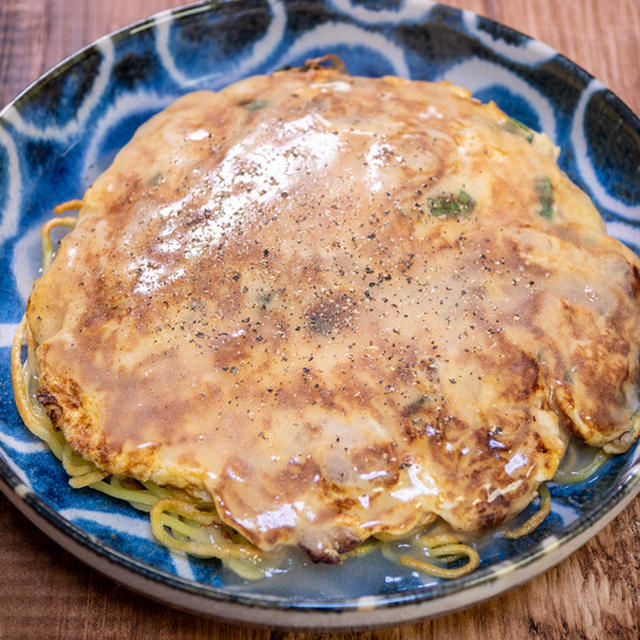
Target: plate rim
[{"x": 196, "y": 597}]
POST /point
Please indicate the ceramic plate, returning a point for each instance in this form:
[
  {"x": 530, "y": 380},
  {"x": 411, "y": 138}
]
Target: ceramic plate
[{"x": 64, "y": 130}]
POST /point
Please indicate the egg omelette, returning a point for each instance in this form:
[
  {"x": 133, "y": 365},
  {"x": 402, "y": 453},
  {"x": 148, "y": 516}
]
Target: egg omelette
[{"x": 337, "y": 307}]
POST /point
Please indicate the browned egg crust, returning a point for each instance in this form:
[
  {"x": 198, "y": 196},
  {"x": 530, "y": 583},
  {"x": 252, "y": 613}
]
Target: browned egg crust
[{"x": 337, "y": 306}]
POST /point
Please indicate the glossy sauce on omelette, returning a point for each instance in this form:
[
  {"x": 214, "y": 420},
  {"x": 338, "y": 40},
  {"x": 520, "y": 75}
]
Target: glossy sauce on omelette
[{"x": 338, "y": 306}]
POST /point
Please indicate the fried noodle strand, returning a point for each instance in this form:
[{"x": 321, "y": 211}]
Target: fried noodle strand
[{"x": 536, "y": 519}]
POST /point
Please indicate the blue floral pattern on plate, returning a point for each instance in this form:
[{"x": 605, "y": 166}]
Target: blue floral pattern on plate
[{"x": 59, "y": 134}]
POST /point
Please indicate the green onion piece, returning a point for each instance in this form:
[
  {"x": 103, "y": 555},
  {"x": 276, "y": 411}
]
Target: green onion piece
[
  {"x": 517, "y": 123},
  {"x": 254, "y": 105},
  {"x": 578, "y": 475},
  {"x": 543, "y": 187},
  {"x": 451, "y": 205},
  {"x": 514, "y": 125},
  {"x": 155, "y": 179}
]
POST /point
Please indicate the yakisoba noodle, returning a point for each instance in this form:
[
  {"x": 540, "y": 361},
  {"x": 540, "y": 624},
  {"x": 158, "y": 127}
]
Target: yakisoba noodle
[
  {"x": 182, "y": 524},
  {"x": 331, "y": 312}
]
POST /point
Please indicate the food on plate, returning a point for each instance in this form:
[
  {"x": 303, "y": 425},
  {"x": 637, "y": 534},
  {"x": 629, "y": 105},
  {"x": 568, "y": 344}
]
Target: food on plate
[{"x": 320, "y": 310}]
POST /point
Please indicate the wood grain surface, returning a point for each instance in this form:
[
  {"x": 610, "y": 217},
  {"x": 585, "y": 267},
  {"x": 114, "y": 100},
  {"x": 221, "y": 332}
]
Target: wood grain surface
[{"x": 595, "y": 593}]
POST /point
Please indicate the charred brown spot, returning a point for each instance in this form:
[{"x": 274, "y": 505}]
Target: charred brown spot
[
  {"x": 415, "y": 406},
  {"x": 525, "y": 372},
  {"x": 53, "y": 409},
  {"x": 327, "y": 547},
  {"x": 288, "y": 482},
  {"x": 345, "y": 539},
  {"x": 405, "y": 371},
  {"x": 378, "y": 457},
  {"x": 487, "y": 518},
  {"x": 343, "y": 505},
  {"x": 229, "y": 350},
  {"x": 329, "y": 315},
  {"x": 635, "y": 282},
  {"x": 414, "y": 428},
  {"x": 324, "y": 555},
  {"x": 541, "y": 447},
  {"x": 104, "y": 454}
]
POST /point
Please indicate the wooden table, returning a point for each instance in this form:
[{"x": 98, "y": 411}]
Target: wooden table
[{"x": 46, "y": 593}]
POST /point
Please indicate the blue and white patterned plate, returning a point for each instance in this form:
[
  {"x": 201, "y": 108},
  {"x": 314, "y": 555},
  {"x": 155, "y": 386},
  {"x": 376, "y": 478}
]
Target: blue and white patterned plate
[{"x": 58, "y": 135}]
